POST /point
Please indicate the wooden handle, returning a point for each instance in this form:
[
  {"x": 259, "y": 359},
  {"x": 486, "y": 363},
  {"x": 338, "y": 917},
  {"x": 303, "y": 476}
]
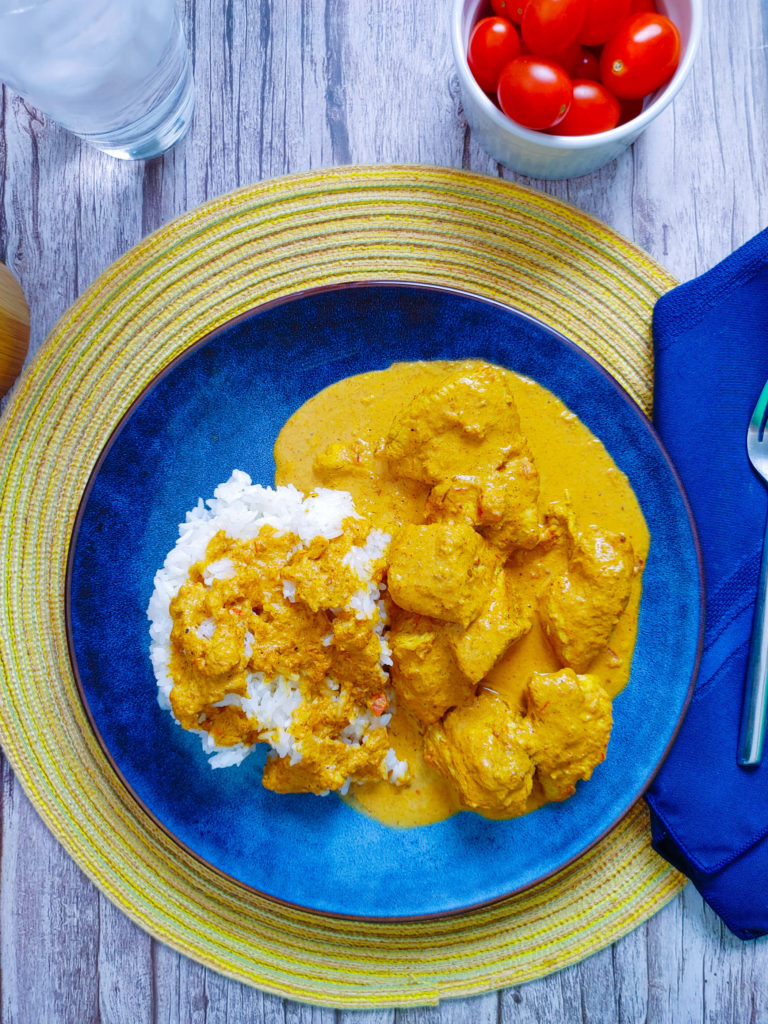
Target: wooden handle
[{"x": 14, "y": 328}]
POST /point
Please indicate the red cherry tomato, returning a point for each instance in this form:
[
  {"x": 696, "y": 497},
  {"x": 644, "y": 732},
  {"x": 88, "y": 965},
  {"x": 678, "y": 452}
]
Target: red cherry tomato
[
  {"x": 587, "y": 66},
  {"x": 630, "y": 109},
  {"x": 602, "y": 20},
  {"x": 642, "y": 6},
  {"x": 569, "y": 59},
  {"x": 511, "y": 9},
  {"x": 642, "y": 56},
  {"x": 549, "y": 26},
  {"x": 535, "y": 92},
  {"x": 494, "y": 42},
  {"x": 593, "y": 109}
]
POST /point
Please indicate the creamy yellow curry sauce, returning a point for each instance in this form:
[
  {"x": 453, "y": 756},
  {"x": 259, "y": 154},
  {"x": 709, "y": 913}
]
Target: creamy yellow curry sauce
[
  {"x": 565, "y": 580},
  {"x": 271, "y": 607}
]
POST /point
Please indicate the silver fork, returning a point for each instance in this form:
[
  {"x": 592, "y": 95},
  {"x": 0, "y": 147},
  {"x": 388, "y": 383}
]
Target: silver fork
[{"x": 753, "y": 712}]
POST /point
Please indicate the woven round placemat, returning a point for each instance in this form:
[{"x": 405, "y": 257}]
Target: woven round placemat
[{"x": 381, "y": 223}]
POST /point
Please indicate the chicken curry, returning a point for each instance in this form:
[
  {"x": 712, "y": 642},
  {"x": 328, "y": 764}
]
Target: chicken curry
[{"x": 513, "y": 578}]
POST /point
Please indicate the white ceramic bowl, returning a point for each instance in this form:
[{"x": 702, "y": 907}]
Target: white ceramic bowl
[{"x": 552, "y": 156}]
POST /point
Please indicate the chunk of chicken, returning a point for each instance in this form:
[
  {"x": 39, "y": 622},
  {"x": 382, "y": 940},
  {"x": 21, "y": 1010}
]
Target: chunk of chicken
[
  {"x": 467, "y": 424},
  {"x": 580, "y": 608},
  {"x": 444, "y": 570},
  {"x": 501, "y": 622},
  {"x": 319, "y": 575},
  {"x": 355, "y": 659},
  {"x": 354, "y": 459},
  {"x": 510, "y": 508},
  {"x": 503, "y": 505},
  {"x": 485, "y": 751},
  {"x": 326, "y": 763},
  {"x": 570, "y": 716},
  {"x": 459, "y": 499},
  {"x": 424, "y": 672},
  {"x": 229, "y": 725}
]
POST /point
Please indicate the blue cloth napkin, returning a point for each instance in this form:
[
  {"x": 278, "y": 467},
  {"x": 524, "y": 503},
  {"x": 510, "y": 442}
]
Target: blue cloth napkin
[{"x": 708, "y": 815}]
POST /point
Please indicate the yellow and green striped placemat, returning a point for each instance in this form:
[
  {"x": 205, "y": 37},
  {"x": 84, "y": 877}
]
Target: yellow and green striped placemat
[{"x": 416, "y": 224}]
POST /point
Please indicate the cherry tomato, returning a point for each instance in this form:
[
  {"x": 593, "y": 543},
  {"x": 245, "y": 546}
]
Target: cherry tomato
[
  {"x": 587, "y": 66},
  {"x": 602, "y": 20},
  {"x": 494, "y": 42},
  {"x": 642, "y": 6},
  {"x": 569, "y": 59},
  {"x": 535, "y": 92},
  {"x": 593, "y": 109},
  {"x": 549, "y": 26},
  {"x": 642, "y": 56},
  {"x": 630, "y": 109},
  {"x": 512, "y": 9}
]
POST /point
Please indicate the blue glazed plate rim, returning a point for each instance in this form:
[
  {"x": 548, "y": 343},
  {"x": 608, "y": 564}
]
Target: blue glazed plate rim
[{"x": 646, "y": 425}]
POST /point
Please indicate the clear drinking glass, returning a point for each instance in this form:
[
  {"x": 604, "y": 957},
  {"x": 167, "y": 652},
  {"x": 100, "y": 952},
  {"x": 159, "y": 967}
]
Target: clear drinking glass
[{"x": 114, "y": 72}]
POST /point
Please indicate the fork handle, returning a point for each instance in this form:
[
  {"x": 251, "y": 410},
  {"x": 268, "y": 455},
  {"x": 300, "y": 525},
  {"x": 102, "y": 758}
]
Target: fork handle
[{"x": 753, "y": 712}]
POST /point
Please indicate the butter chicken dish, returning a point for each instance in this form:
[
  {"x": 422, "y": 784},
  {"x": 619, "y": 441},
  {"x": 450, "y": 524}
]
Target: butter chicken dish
[{"x": 431, "y": 611}]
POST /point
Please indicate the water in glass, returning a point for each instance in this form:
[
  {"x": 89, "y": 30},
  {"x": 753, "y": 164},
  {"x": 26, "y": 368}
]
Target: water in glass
[{"x": 115, "y": 72}]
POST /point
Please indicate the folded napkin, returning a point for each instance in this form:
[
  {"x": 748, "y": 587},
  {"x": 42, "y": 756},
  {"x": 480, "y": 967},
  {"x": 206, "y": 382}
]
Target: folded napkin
[{"x": 709, "y": 816}]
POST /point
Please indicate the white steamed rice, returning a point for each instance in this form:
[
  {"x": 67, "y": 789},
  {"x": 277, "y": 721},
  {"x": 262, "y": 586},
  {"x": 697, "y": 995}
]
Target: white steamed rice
[{"x": 241, "y": 509}]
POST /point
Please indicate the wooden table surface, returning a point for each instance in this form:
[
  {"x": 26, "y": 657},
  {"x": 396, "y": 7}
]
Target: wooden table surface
[{"x": 289, "y": 85}]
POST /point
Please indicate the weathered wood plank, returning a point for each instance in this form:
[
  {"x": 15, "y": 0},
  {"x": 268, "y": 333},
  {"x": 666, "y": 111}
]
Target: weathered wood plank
[
  {"x": 482, "y": 1009},
  {"x": 49, "y": 922},
  {"x": 674, "y": 981},
  {"x": 297, "y": 1013},
  {"x": 125, "y": 975},
  {"x": 366, "y": 1017},
  {"x": 589, "y": 989},
  {"x": 538, "y": 1000},
  {"x": 419, "y": 1015}
]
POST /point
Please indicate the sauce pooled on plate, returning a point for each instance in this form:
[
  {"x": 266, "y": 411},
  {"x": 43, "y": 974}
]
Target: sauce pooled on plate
[{"x": 513, "y": 577}]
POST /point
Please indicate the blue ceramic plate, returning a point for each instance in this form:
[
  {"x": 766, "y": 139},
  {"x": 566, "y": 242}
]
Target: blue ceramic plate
[{"x": 221, "y": 406}]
